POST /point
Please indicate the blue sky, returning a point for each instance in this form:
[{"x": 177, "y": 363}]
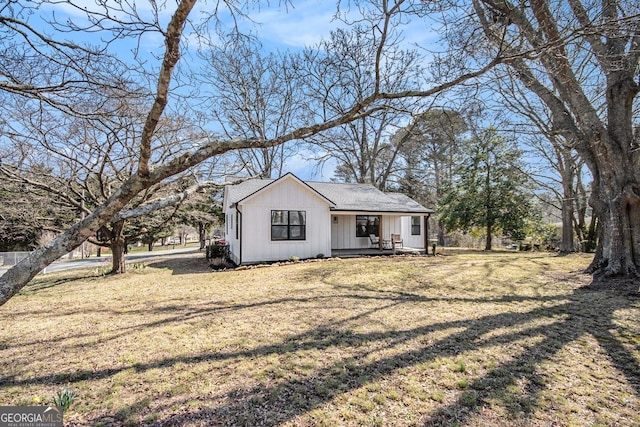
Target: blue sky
[
  {"x": 304, "y": 23},
  {"x": 278, "y": 26},
  {"x": 307, "y": 22}
]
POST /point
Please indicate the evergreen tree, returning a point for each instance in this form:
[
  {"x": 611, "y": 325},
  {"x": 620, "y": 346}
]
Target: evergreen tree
[
  {"x": 429, "y": 146},
  {"x": 490, "y": 190},
  {"x": 202, "y": 212}
]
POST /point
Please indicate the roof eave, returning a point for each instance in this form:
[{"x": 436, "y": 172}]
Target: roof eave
[
  {"x": 376, "y": 211},
  {"x": 288, "y": 174}
]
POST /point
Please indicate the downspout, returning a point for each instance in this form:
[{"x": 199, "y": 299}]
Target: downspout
[
  {"x": 426, "y": 234},
  {"x": 239, "y": 229}
]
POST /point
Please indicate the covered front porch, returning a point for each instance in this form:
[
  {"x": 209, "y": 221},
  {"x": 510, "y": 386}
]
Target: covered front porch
[{"x": 375, "y": 233}]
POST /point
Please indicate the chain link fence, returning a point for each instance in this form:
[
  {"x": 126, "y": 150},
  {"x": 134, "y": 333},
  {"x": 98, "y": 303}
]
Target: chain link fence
[{"x": 9, "y": 259}]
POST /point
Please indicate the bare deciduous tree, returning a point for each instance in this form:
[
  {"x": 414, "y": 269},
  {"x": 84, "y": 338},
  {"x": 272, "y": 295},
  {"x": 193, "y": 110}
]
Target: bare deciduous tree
[
  {"x": 362, "y": 148},
  {"x": 557, "y": 167},
  {"x": 580, "y": 58},
  {"x": 253, "y": 95},
  {"x": 430, "y": 145}
]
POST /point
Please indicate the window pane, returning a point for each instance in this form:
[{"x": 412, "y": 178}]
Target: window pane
[
  {"x": 297, "y": 217},
  {"x": 415, "y": 225},
  {"x": 373, "y": 225},
  {"x": 279, "y": 217},
  {"x": 366, "y": 225},
  {"x": 297, "y": 232},
  {"x": 288, "y": 225},
  {"x": 361, "y": 226},
  {"x": 279, "y": 232}
]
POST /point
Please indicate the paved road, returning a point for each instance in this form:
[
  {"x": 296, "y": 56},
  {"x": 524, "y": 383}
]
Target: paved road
[{"x": 106, "y": 260}]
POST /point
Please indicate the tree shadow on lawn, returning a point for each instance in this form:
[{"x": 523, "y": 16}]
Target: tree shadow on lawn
[
  {"x": 587, "y": 311},
  {"x": 177, "y": 314},
  {"x": 575, "y": 318},
  {"x": 177, "y": 263},
  {"x": 42, "y": 282},
  {"x": 285, "y": 400}
]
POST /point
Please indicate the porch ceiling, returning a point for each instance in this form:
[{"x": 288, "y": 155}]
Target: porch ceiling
[{"x": 373, "y": 213}]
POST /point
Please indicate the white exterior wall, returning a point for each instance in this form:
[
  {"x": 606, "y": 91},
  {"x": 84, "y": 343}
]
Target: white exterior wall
[
  {"x": 287, "y": 194},
  {"x": 343, "y": 232},
  {"x": 409, "y": 240},
  {"x": 391, "y": 225}
]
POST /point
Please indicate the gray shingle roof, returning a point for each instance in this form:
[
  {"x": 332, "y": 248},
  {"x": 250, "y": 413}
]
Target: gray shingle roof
[
  {"x": 345, "y": 197},
  {"x": 366, "y": 197}
]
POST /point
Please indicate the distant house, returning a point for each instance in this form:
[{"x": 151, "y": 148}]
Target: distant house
[{"x": 272, "y": 220}]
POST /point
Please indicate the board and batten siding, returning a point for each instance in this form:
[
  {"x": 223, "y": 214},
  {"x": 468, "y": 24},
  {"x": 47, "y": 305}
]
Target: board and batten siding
[
  {"x": 343, "y": 230},
  {"x": 391, "y": 224},
  {"x": 287, "y": 194},
  {"x": 343, "y": 233},
  {"x": 413, "y": 241}
]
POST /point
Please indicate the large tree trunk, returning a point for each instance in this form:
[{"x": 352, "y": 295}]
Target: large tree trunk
[
  {"x": 118, "y": 265},
  {"x": 202, "y": 235},
  {"x": 566, "y": 166},
  {"x": 615, "y": 197},
  {"x": 118, "y": 245},
  {"x": 618, "y": 250},
  {"x": 488, "y": 242},
  {"x": 567, "y": 243},
  {"x": 441, "y": 235}
]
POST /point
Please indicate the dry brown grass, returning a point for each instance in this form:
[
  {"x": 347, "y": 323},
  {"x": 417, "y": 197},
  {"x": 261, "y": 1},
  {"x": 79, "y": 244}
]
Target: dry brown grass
[{"x": 475, "y": 339}]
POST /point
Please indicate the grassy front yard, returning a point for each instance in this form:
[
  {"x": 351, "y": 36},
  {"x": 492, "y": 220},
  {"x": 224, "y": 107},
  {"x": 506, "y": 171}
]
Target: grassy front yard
[{"x": 475, "y": 339}]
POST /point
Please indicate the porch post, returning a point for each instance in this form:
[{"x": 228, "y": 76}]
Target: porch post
[{"x": 426, "y": 234}]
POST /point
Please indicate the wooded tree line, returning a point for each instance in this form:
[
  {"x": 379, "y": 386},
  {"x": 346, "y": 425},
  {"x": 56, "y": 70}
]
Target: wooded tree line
[{"x": 112, "y": 135}]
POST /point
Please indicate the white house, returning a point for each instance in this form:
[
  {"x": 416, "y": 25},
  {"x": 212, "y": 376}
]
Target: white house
[{"x": 272, "y": 220}]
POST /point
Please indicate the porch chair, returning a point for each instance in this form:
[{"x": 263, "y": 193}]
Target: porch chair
[
  {"x": 375, "y": 241},
  {"x": 396, "y": 240}
]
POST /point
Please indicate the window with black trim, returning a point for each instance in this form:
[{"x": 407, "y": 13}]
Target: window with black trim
[
  {"x": 288, "y": 225},
  {"x": 366, "y": 225},
  {"x": 415, "y": 225}
]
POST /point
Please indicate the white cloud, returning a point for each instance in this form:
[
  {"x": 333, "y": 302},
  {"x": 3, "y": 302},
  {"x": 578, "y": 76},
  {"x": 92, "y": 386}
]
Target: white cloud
[
  {"x": 78, "y": 9},
  {"x": 310, "y": 21},
  {"x": 305, "y": 24},
  {"x": 306, "y": 168}
]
